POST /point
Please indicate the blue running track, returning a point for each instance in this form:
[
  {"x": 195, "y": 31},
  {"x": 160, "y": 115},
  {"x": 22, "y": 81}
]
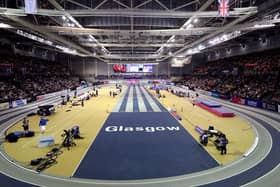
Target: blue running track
[
  {"x": 123, "y": 105},
  {"x": 135, "y": 101},
  {"x": 147, "y": 104},
  {"x": 156, "y": 101},
  {"x": 9, "y": 182},
  {"x": 130, "y": 102},
  {"x": 143, "y": 145}
]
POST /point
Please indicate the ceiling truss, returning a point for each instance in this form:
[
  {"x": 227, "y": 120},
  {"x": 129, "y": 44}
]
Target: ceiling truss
[{"x": 151, "y": 30}]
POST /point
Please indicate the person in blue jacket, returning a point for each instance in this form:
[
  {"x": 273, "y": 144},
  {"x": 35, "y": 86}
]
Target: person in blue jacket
[{"x": 43, "y": 124}]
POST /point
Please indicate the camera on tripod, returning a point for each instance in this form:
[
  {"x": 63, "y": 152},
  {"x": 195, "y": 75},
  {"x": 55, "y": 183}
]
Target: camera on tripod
[{"x": 68, "y": 140}]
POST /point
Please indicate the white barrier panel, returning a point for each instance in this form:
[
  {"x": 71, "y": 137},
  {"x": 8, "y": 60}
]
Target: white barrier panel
[
  {"x": 252, "y": 148},
  {"x": 19, "y": 102},
  {"x": 113, "y": 82},
  {"x": 46, "y": 96},
  {"x": 79, "y": 88},
  {"x": 46, "y": 141},
  {"x": 203, "y": 92},
  {"x": 279, "y": 108}
]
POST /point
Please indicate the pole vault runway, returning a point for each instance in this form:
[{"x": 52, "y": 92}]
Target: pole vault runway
[{"x": 142, "y": 141}]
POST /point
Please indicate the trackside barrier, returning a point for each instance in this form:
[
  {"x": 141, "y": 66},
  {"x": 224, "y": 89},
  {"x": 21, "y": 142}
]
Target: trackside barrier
[
  {"x": 13, "y": 104},
  {"x": 18, "y": 103},
  {"x": 4, "y": 106},
  {"x": 268, "y": 106},
  {"x": 248, "y": 102},
  {"x": 54, "y": 94}
]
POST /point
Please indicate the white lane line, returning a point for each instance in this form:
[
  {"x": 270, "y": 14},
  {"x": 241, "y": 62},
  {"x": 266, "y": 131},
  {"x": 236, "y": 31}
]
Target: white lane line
[
  {"x": 150, "y": 100},
  {"x": 129, "y": 104},
  {"x": 119, "y": 103},
  {"x": 141, "y": 105}
]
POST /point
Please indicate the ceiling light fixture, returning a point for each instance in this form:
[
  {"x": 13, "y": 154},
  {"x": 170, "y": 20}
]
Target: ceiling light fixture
[
  {"x": 264, "y": 25},
  {"x": 6, "y": 26}
]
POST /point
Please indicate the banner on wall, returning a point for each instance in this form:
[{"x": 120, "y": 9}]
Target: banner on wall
[
  {"x": 224, "y": 97},
  {"x": 19, "y": 102},
  {"x": 271, "y": 107},
  {"x": 215, "y": 95},
  {"x": 238, "y": 100},
  {"x": 203, "y": 92},
  {"x": 4, "y": 106},
  {"x": 256, "y": 104},
  {"x": 169, "y": 83}
]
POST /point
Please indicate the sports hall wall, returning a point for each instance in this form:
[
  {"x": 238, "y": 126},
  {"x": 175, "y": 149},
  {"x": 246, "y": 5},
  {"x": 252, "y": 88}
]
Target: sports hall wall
[{"x": 91, "y": 67}]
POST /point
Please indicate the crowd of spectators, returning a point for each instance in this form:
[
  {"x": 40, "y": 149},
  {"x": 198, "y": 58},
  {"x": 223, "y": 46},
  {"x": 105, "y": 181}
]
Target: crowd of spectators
[
  {"x": 254, "y": 77},
  {"x": 26, "y": 78}
]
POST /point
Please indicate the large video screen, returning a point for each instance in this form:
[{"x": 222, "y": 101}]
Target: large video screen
[{"x": 133, "y": 68}]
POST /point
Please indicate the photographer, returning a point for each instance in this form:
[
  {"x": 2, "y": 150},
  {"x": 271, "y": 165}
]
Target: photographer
[
  {"x": 223, "y": 145},
  {"x": 25, "y": 125},
  {"x": 68, "y": 140}
]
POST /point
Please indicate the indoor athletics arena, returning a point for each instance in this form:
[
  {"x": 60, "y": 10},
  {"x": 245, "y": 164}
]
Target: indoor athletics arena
[{"x": 139, "y": 93}]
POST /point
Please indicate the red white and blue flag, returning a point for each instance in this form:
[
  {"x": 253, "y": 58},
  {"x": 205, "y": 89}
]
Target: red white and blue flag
[{"x": 223, "y": 8}]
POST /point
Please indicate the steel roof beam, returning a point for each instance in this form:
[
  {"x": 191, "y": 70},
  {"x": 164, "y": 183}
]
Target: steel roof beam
[
  {"x": 80, "y": 5},
  {"x": 100, "y": 4},
  {"x": 132, "y": 56},
  {"x": 51, "y": 36},
  {"x": 142, "y": 13},
  {"x": 142, "y": 4},
  {"x": 202, "y": 8},
  {"x": 122, "y": 4},
  {"x": 221, "y": 30},
  {"x": 69, "y": 16},
  {"x": 161, "y": 4},
  {"x": 88, "y": 44},
  {"x": 185, "y": 5},
  {"x": 125, "y": 13},
  {"x": 107, "y": 24},
  {"x": 159, "y": 32}
]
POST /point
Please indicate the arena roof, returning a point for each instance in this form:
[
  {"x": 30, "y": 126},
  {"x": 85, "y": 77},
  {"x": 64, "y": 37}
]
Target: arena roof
[{"x": 138, "y": 30}]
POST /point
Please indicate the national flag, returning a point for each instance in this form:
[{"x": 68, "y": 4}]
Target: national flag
[
  {"x": 223, "y": 8},
  {"x": 30, "y": 6}
]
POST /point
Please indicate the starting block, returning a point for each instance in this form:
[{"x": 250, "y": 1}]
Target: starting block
[{"x": 46, "y": 141}]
